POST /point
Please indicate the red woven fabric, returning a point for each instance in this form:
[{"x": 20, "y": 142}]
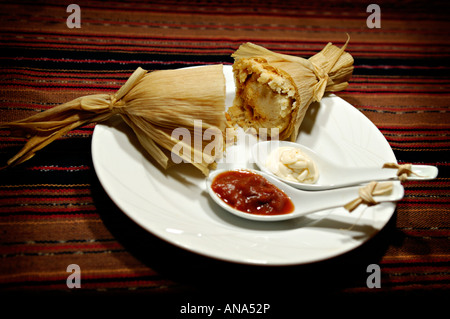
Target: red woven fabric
[{"x": 54, "y": 212}]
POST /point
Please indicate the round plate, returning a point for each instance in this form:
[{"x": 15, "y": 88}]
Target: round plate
[{"x": 174, "y": 205}]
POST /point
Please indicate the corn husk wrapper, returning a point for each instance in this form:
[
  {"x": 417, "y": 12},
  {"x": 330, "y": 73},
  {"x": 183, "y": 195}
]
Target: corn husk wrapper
[
  {"x": 275, "y": 90},
  {"x": 153, "y": 104}
]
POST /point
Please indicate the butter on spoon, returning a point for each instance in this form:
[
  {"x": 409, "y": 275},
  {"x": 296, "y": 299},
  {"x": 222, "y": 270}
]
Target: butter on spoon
[
  {"x": 335, "y": 175},
  {"x": 290, "y": 163}
]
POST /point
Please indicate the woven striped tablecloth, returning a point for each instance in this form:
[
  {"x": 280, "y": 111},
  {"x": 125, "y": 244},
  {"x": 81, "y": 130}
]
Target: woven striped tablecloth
[{"x": 54, "y": 212}]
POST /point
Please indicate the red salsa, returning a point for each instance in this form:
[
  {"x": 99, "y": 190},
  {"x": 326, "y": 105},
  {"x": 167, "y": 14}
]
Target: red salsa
[{"x": 251, "y": 193}]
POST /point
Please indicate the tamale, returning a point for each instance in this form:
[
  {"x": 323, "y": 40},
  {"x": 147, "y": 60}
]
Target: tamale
[
  {"x": 153, "y": 104},
  {"x": 274, "y": 91}
]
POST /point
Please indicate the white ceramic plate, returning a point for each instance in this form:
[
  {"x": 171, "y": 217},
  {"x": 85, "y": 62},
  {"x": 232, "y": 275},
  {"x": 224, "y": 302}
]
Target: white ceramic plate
[{"x": 175, "y": 206}]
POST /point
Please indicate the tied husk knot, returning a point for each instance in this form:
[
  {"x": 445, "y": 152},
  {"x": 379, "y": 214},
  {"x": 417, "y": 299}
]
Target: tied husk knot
[
  {"x": 403, "y": 171},
  {"x": 367, "y": 193},
  {"x": 101, "y": 103}
]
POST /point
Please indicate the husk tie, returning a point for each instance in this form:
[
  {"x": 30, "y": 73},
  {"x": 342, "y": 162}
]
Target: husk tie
[
  {"x": 323, "y": 67},
  {"x": 45, "y": 127},
  {"x": 367, "y": 193},
  {"x": 403, "y": 171}
]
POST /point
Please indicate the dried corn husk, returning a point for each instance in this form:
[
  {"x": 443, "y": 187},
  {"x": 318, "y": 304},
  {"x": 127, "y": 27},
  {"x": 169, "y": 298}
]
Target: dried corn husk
[
  {"x": 275, "y": 90},
  {"x": 153, "y": 104}
]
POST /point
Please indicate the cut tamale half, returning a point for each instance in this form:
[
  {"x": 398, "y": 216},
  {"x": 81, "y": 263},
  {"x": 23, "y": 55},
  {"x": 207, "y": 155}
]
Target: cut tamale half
[
  {"x": 154, "y": 104},
  {"x": 274, "y": 91}
]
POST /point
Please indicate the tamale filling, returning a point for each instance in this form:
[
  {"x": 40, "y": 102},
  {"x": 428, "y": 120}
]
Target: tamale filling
[{"x": 264, "y": 97}]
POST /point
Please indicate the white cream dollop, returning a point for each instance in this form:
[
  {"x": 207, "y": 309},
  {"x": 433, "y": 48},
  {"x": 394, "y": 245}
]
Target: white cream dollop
[{"x": 292, "y": 164}]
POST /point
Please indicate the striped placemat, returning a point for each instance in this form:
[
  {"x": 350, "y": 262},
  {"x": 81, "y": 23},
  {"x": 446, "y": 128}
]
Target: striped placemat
[{"x": 54, "y": 212}]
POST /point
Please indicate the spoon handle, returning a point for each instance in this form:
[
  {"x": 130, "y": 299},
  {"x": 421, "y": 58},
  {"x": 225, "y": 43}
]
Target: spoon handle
[
  {"x": 364, "y": 175},
  {"x": 423, "y": 172},
  {"x": 359, "y": 175},
  {"x": 316, "y": 201}
]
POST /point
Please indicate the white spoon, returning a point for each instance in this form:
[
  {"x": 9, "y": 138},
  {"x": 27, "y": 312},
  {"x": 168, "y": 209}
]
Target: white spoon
[
  {"x": 334, "y": 175},
  {"x": 305, "y": 202}
]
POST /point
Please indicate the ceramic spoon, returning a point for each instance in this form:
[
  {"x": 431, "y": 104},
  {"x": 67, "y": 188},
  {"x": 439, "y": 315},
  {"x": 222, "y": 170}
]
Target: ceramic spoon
[
  {"x": 305, "y": 202},
  {"x": 334, "y": 175}
]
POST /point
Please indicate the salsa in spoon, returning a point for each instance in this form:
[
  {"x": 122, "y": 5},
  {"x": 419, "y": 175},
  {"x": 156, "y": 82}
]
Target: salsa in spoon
[{"x": 258, "y": 190}]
